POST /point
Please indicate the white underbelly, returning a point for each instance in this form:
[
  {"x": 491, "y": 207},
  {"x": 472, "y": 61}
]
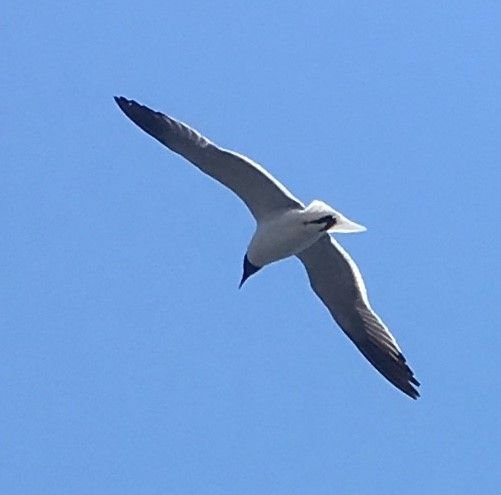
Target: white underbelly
[{"x": 282, "y": 236}]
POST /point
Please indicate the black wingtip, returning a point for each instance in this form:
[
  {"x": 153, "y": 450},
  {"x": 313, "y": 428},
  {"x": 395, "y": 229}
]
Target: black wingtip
[
  {"x": 408, "y": 387},
  {"x": 167, "y": 131},
  {"x": 146, "y": 118},
  {"x": 412, "y": 393},
  {"x": 412, "y": 381},
  {"x": 409, "y": 382},
  {"x": 394, "y": 368},
  {"x": 123, "y": 102}
]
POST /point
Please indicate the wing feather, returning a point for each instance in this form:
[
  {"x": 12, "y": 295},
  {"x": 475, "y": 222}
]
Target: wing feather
[
  {"x": 259, "y": 190},
  {"x": 337, "y": 281}
]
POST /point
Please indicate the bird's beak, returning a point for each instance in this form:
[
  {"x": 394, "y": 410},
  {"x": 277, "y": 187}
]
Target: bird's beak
[
  {"x": 244, "y": 278},
  {"x": 346, "y": 226}
]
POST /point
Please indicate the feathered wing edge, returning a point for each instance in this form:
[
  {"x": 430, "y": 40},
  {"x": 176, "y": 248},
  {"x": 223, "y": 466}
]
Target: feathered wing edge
[{"x": 337, "y": 281}]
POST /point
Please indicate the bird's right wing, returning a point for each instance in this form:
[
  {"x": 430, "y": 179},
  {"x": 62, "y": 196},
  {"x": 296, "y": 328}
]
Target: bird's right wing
[
  {"x": 259, "y": 190},
  {"x": 336, "y": 280}
]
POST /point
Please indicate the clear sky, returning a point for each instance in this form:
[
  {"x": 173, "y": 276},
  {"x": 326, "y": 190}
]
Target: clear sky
[{"x": 131, "y": 364}]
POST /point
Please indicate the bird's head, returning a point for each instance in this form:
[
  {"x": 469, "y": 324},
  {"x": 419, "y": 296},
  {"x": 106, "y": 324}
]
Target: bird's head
[{"x": 249, "y": 269}]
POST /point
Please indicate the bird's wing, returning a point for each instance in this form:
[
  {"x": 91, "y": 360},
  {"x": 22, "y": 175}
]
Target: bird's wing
[
  {"x": 259, "y": 190},
  {"x": 336, "y": 280}
]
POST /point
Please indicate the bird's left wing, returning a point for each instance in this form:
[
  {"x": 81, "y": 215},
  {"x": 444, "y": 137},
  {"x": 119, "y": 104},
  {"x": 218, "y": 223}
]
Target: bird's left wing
[
  {"x": 259, "y": 190},
  {"x": 337, "y": 281}
]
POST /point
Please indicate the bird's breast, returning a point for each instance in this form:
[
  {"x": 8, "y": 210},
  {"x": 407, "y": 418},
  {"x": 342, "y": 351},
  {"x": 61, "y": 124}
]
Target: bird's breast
[{"x": 282, "y": 236}]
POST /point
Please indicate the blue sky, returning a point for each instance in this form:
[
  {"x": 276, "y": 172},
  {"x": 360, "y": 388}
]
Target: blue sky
[{"x": 131, "y": 363}]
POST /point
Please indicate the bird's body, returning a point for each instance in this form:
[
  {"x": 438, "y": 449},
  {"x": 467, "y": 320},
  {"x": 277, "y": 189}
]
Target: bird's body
[
  {"x": 287, "y": 232},
  {"x": 285, "y": 227}
]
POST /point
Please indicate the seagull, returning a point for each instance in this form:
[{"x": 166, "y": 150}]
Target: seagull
[{"x": 286, "y": 227}]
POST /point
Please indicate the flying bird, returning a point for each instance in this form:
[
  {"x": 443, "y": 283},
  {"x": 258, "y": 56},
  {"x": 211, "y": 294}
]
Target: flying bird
[{"x": 286, "y": 227}]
